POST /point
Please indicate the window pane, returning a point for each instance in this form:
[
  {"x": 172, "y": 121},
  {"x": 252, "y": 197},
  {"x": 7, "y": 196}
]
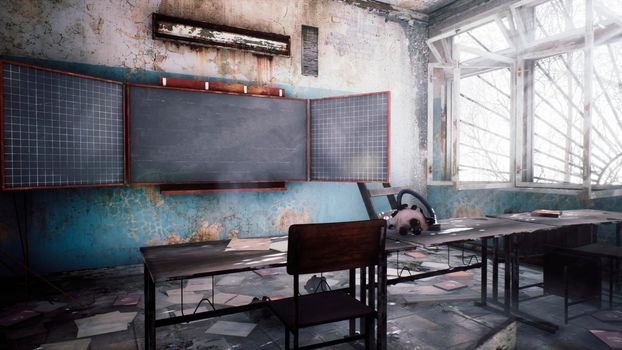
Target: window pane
[
  {"x": 487, "y": 37},
  {"x": 558, "y": 119},
  {"x": 607, "y": 115},
  {"x": 558, "y": 16},
  {"x": 484, "y": 150}
]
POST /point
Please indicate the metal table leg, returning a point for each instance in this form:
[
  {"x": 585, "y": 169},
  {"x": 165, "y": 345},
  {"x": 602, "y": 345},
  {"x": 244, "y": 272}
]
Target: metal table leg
[
  {"x": 507, "y": 273},
  {"x": 515, "y": 272},
  {"x": 495, "y": 269},
  {"x": 150, "y": 330},
  {"x": 484, "y": 282},
  {"x": 382, "y": 304}
]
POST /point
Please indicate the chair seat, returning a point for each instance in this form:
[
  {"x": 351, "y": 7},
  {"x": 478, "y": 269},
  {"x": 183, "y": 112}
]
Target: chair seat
[{"x": 320, "y": 308}]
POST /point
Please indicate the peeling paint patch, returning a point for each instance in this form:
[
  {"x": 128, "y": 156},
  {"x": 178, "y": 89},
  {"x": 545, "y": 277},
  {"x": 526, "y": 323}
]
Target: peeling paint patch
[
  {"x": 151, "y": 192},
  {"x": 288, "y": 217},
  {"x": 206, "y": 232},
  {"x": 173, "y": 238},
  {"x": 462, "y": 212}
]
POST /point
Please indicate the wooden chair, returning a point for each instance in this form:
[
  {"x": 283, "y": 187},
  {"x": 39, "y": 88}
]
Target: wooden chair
[{"x": 317, "y": 248}]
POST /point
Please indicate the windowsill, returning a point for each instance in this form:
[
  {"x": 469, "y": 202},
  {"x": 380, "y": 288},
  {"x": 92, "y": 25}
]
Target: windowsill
[{"x": 594, "y": 194}]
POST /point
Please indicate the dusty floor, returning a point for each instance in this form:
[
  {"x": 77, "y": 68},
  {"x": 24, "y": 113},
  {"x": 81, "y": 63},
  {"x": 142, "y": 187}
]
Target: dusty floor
[{"x": 417, "y": 319}]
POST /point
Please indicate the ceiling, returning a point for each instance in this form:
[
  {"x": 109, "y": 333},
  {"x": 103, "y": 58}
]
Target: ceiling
[{"x": 423, "y": 6}]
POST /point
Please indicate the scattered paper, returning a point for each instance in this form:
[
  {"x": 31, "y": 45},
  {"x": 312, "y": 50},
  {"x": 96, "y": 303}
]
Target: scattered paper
[
  {"x": 104, "y": 323},
  {"x": 435, "y": 265},
  {"x": 248, "y": 244},
  {"x": 450, "y": 285},
  {"x": 612, "y": 338},
  {"x": 235, "y": 329},
  {"x": 230, "y": 280},
  {"x": 127, "y": 300},
  {"x": 608, "y": 315},
  {"x": 416, "y": 255},
  {"x": 280, "y": 246},
  {"x": 78, "y": 344},
  {"x": 199, "y": 284}
]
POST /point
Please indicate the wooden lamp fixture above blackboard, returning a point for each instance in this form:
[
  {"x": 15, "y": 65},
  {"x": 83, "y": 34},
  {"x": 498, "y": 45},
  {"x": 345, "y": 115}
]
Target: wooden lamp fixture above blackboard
[{"x": 199, "y": 33}]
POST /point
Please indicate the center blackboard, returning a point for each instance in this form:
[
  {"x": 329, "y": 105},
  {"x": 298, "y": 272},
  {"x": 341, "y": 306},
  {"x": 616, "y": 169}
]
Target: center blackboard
[{"x": 183, "y": 136}]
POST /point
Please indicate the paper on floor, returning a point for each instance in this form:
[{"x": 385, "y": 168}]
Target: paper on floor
[
  {"x": 248, "y": 244},
  {"x": 450, "y": 285},
  {"x": 199, "y": 284},
  {"x": 230, "y": 280},
  {"x": 127, "y": 300},
  {"x": 104, "y": 323},
  {"x": 78, "y": 344},
  {"x": 280, "y": 246},
  {"x": 236, "y": 329}
]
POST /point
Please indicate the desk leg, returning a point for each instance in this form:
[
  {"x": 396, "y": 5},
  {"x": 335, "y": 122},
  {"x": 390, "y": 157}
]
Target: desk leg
[
  {"x": 150, "y": 331},
  {"x": 363, "y": 293},
  {"x": 495, "y": 269},
  {"x": 618, "y": 243},
  {"x": 484, "y": 282},
  {"x": 507, "y": 273},
  {"x": 515, "y": 272},
  {"x": 352, "y": 287},
  {"x": 382, "y": 304}
]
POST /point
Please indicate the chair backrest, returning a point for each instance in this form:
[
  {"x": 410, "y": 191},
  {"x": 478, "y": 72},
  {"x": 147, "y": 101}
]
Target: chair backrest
[{"x": 314, "y": 248}]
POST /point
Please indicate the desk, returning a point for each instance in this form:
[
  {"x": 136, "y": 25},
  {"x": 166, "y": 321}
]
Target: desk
[
  {"x": 192, "y": 260},
  {"x": 183, "y": 261},
  {"x": 611, "y": 252}
]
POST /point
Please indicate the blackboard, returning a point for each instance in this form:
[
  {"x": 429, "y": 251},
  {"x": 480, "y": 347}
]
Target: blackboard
[
  {"x": 183, "y": 136},
  {"x": 60, "y": 129},
  {"x": 350, "y": 138}
]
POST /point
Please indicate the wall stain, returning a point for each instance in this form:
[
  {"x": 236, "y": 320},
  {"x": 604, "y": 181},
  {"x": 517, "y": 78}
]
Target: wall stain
[
  {"x": 288, "y": 217},
  {"x": 97, "y": 26},
  {"x": 173, "y": 238},
  {"x": 151, "y": 192},
  {"x": 206, "y": 232},
  {"x": 464, "y": 212}
]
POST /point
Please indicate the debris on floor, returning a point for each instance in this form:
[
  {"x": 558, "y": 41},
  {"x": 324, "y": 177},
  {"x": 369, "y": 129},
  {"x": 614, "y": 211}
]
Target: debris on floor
[
  {"x": 104, "y": 323},
  {"x": 235, "y": 329},
  {"x": 78, "y": 344}
]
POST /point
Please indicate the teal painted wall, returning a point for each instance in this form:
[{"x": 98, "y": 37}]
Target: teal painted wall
[
  {"x": 72, "y": 229},
  {"x": 449, "y": 202}
]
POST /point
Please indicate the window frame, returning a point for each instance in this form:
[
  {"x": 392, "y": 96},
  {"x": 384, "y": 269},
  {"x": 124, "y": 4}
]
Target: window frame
[{"x": 522, "y": 54}]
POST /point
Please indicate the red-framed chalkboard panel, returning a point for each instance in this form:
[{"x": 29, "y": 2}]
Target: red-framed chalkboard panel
[
  {"x": 59, "y": 129},
  {"x": 349, "y": 138},
  {"x": 185, "y": 136}
]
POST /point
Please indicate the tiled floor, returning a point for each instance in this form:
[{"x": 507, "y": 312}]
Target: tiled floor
[{"x": 417, "y": 320}]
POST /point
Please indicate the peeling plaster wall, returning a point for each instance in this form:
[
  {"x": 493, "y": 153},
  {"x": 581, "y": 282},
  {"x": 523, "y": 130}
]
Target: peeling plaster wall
[{"x": 361, "y": 50}]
